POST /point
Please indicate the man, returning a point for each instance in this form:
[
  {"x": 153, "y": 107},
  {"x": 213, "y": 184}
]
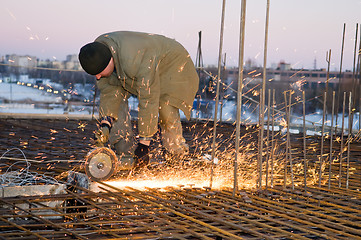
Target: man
[{"x": 156, "y": 69}]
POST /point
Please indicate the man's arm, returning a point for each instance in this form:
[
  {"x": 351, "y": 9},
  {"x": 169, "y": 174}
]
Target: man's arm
[{"x": 142, "y": 68}]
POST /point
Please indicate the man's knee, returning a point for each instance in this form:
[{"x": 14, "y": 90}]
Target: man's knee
[
  {"x": 121, "y": 138},
  {"x": 123, "y": 147}
]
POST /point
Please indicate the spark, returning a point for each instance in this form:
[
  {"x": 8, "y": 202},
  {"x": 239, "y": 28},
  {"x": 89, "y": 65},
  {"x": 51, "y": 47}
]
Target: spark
[
  {"x": 182, "y": 67},
  {"x": 52, "y": 131},
  {"x": 82, "y": 126},
  {"x": 11, "y": 14}
]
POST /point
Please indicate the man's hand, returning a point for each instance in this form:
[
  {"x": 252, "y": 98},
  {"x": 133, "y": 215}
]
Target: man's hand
[
  {"x": 101, "y": 136},
  {"x": 141, "y": 155}
]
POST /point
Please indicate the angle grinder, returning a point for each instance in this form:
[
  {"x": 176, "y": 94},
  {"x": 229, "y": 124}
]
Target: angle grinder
[{"x": 102, "y": 162}]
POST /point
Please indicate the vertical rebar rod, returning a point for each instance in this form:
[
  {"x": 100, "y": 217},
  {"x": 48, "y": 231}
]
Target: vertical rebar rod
[
  {"x": 267, "y": 140},
  {"x": 349, "y": 138},
  {"x": 359, "y": 111},
  {"x": 354, "y": 69},
  {"x": 273, "y": 135},
  {"x": 359, "y": 107},
  {"x": 217, "y": 91},
  {"x": 328, "y": 60},
  {"x": 342, "y": 135},
  {"x": 340, "y": 76},
  {"x": 322, "y": 138},
  {"x": 304, "y": 141},
  {"x": 331, "y": 140},
  {"x": 239, "y": 91},
  {"x": 222, "y": 88},
  {"x": 199, "y": 66},
  {"x": 359, "y": 82},
  {"x": 289, "y": 141},
  {"x": 354, "y": 86},
  {"x": 260, "y": 138},
  {"x": 287, "y": 147},
  {"x": 263, "y": 93},
  {"x": 199, "y": 58}
]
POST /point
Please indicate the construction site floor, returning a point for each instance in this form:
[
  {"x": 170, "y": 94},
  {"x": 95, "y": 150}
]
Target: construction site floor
[{"x": 53, "y": 147}]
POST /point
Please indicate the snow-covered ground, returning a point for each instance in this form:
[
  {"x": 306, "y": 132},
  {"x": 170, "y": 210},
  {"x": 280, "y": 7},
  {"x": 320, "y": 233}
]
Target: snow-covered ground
[
  {"x": 18, "y": 98},
  {"x": 18, "y": 92}
]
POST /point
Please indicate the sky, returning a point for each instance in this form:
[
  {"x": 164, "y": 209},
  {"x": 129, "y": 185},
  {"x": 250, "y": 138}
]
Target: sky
[{"x": 301, "y": 32}]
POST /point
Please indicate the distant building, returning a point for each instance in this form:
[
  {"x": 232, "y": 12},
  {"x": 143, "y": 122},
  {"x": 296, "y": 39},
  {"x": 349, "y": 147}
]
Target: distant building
[
  {"x": 22, "y": 61},
  {"x": 72, "y": 58},
  {"x": 305, "y": 78},
  {"x": 250, "y": 64},
  {"x": 58, "y": 64},
  {"x": 309, "y": 76},
  {"x": 314, "y": 78},
  {"x": 72, "y": 62},
  {"x": 45, "y": 63},
  {"x": 284, "y": 66}
]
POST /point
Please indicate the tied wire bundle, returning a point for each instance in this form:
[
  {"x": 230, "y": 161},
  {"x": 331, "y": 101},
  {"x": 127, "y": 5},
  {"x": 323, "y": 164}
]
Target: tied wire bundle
[{"x": 22, "y": 176}]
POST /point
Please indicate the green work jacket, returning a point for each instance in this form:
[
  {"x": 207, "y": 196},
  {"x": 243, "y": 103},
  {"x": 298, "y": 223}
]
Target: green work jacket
[{"x": 152, "y": 67}]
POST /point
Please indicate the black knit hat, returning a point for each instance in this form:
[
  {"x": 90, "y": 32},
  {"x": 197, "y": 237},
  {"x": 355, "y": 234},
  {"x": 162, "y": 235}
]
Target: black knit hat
[{"x": 94, "y": 57}]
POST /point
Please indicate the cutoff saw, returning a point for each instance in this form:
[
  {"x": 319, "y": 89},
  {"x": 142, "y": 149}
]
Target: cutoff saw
[{"x": 102, "y": 162}]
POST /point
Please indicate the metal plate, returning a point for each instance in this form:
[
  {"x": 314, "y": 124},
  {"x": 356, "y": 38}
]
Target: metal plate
[{"x": 100, "y": 164}]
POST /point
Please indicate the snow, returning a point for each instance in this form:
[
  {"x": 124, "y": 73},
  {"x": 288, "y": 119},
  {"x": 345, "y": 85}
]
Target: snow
[
  {"x": 16, "y": 92},
  {"x": 18, "y": 98}
]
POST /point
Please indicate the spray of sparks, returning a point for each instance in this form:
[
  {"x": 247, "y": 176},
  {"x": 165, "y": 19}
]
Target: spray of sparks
[
  {"x": 197, "y": 175},
  {"x": 196, "y": 172}
]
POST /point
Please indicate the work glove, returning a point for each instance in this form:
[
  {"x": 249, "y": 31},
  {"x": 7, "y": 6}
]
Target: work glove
[
  {"x": 141, "y": 155},
  {"x": 101, "y": 136}
]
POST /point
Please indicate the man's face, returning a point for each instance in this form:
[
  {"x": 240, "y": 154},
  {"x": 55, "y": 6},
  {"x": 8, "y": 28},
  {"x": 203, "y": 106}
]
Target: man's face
[{"x": 107, "y": 71}]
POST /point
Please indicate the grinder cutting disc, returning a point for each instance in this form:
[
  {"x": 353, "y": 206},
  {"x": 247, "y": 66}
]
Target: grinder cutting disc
[{"x": 100, "y": 164}]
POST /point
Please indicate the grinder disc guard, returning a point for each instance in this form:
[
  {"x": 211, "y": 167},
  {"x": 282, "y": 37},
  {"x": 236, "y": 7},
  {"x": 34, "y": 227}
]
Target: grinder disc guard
[{"x": 100, "y": 164}]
